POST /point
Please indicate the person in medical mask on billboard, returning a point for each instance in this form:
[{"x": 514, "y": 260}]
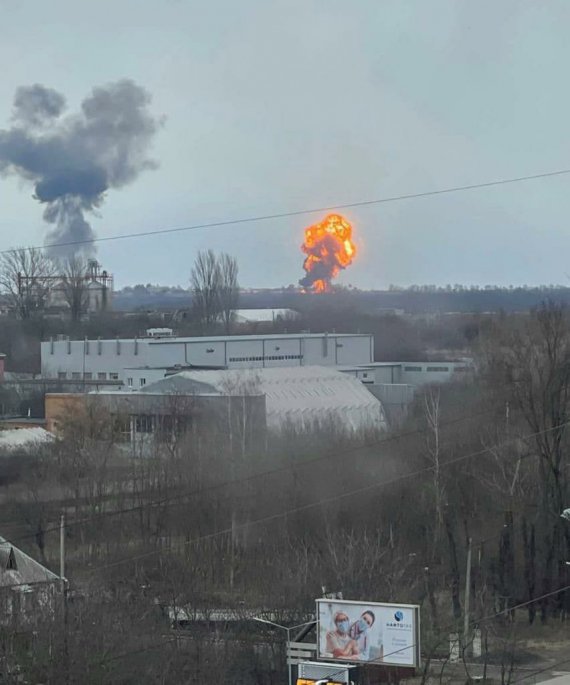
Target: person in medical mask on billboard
[
  {"x": 359, "y": 632},
  {"x": 339, "y": 643}
]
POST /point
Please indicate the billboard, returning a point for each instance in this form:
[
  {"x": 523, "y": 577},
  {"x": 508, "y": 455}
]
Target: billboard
[{"x": 368, "y": 632}]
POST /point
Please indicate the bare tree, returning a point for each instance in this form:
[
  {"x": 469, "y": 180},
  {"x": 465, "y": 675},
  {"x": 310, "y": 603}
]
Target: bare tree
[
  {"x": 205, "y": 281},
  {"x": 74, "y": 286},
  {"x": 433, "y": 444},
  {"x": 530, "y": 360},
  {"x": 228, "y": 289},
  {"x": 215, "y": 289},
  {"x": 25, "y": 280}
]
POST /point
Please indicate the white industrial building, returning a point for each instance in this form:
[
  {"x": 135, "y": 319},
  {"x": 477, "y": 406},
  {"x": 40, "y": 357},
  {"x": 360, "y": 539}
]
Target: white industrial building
[
  {"x": 414, "y": 374},
  {"x": 150, "y": 358},
  {"x": 395, "y": 383},
  {"x": 264, "y": 316},
  {"x": 299, "y": 398}
]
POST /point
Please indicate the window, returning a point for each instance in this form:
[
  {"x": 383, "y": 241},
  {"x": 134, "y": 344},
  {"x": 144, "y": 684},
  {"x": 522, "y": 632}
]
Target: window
[
  {"x": 88, "y": 376},
  {"x": 412, "y": 368},
  {"x": 118, "y": 346},
  {"x": 86, "y": 346},
  {"x": 101, "y": 376},
  {"x": 142, "y": 381},
  {"x": 62, "y": 375},
  {"x": 99, "y": 346},
  {"x": 435, "y": 369},
  {"x": 113, "y": 376},
  {"x": 130, "y": 382},
  {"x": 69, "y": 347},
  {"x": 12, "y": 565},
  {"x": 143, "y": 424},
  {"x": 76, "y": 376}
]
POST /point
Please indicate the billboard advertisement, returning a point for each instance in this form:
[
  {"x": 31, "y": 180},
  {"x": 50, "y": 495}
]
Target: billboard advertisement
[{"x": 370, "y": 632}]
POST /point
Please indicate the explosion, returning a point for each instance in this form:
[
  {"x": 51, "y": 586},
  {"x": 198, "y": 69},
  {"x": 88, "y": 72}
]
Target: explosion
[{"x": 329, "y": 248}]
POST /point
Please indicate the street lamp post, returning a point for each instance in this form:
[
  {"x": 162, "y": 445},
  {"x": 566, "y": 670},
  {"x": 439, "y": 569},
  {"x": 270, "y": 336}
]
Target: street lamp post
[{"x": 288, "y": 630}]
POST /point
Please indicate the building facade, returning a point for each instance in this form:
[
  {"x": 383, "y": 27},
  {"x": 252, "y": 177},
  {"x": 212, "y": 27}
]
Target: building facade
[
  {"x": 28, "y": 589},
  {"x": 109, "y": 360},
  {"x": 148, "y": 418}
]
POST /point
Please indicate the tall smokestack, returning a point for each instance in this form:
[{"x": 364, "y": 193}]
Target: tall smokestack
[{"x": 72, "y": 160}]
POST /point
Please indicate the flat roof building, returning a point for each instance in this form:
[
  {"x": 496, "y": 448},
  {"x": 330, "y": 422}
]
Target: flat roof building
[{"x": 109, "y": 360}]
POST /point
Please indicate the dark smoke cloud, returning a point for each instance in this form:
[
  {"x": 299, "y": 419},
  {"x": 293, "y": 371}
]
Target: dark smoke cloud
[
  {"x": 72, "y": 160},
  {"x": 33, "y": 105},
  {"x": 324, "y": 269}
]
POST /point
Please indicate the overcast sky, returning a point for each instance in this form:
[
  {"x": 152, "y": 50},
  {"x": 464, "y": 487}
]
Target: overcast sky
[{"x": 280, "y": 105}]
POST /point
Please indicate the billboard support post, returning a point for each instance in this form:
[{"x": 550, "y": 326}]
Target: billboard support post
[
  {"x": 288, "y": 630},
  {"x": 467, "y": 597}
]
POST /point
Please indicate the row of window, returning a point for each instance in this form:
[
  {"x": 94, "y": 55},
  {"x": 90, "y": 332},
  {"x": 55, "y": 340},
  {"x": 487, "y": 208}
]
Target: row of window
[
  {"x": 275, "y": 357},
  {"x": 429, "y": 368},
  {"x": 435, "y": 369},
  {"x": 88, "y": 376},
  {"x": 100, "y": 376},
  {"x": 99, "y": 346},
  {"x": 167, "y": 425}
]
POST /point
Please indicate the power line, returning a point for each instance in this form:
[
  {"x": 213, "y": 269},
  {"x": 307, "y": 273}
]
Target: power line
[
  {"x": 301, "y": 212},
  {"x": 253, "y": 477},
  {"x": 326, "y": 500},
  {"x": 380, "y": 660}
]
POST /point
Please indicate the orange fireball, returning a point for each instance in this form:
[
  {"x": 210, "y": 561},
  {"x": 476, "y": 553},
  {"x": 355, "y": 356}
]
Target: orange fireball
[{"x": 329, "y": 248}]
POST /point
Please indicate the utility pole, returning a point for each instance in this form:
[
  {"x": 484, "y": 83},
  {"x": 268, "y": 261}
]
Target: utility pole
[
  {"x": 467, "y": 593},
  {"x": 63, "y": 595},
  {"x": 62, "y": 551}
]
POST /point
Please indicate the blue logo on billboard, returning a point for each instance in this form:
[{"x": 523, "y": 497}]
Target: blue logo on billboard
[{"x": 399, "y": 616}]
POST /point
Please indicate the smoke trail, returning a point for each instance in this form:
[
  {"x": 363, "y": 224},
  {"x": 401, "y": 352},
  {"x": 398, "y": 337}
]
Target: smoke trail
[{"x": 72, "y": 160}]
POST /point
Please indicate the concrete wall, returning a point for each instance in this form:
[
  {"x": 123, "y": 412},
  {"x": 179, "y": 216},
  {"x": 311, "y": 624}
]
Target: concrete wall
[
  {"x": 395, "y": 398},
  {"x": 74, "y": 358},
  {"x": 139, "y": 377},
  {"x": 388, "y": 374},
  {"x": 60, "y": 405},
  {"x": 423, "y": 373}
]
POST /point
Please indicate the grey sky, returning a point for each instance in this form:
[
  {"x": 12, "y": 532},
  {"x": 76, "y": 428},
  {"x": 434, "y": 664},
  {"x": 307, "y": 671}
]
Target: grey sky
[{"x": 277, "y": 105}]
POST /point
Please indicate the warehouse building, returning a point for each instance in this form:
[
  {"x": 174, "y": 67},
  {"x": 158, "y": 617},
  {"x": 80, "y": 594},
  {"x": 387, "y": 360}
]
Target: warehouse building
[
  {"x": 396, "y": 383},
  {"x": 240, "y": 404},
  {"x": 109, "y": 360},
  {"x": 146, "y": 419},
  {"x": 414, "y": 374},
  {"x": 298, "y": 398}
]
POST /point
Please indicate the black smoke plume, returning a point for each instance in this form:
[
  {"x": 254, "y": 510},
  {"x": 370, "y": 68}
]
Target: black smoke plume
[
  {"x": 322, "y": 263},
  {"x": 73, "y": 159}
]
